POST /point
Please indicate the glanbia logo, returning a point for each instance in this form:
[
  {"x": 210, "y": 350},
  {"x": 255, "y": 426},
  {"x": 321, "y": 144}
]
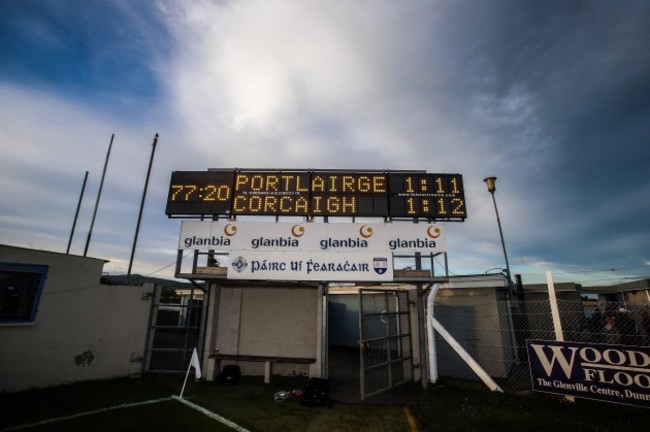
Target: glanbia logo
[
  {"x": 297, "y": 230},
  {"x": 230, "y": 230},
  {"x": 433, "y": 232},
  {"x": 365, "y": 231}
]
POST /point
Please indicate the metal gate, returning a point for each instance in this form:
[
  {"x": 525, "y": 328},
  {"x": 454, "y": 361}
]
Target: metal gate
[
  {"x": 174, "y": 328},
  {"x": 384, "y": 340}
]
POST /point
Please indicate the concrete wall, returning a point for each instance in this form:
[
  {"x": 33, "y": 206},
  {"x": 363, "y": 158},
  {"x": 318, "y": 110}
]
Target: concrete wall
[
  {"x": 491, "y": 335},
  {"x": 266, "y": 321},
  {"x": 637, "y": 298},
  {"x": 82, "y": 330}
]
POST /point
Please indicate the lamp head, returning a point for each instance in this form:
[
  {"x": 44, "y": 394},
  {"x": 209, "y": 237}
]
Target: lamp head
[{"x": 490, "y": 181}]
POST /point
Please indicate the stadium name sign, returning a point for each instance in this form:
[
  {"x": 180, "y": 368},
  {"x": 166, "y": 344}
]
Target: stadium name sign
[
  {"x": 311, "y": 266},
  {"x": 612, "y": 373}
]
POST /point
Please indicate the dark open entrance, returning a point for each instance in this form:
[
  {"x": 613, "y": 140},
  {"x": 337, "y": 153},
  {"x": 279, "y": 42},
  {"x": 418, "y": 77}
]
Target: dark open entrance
[
  {"x": 343, "y": 349},
  {"x": 369, "y": 336}
]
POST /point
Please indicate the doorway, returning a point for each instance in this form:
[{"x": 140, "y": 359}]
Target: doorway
[{"x": 370, "y": 342}]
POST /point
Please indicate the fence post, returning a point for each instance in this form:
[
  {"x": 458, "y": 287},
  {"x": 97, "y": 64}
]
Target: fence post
[
  {"x": 511, "y": 327},
  {"x": 557, "y": 322},
  {"x": 555, "y": 312}
]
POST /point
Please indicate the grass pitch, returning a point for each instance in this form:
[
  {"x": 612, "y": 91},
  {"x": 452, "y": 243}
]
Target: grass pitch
[{"x": 451, "y": 406}]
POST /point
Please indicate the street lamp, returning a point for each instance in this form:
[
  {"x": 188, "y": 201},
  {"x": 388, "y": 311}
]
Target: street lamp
[{"x": 491, "y": 186}]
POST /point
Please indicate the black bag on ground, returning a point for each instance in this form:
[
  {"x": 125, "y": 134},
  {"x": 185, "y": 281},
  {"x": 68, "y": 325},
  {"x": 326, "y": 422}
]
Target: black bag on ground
[
  {"x": 230, "y": 374},
  {"x": 317, "y": 393}
]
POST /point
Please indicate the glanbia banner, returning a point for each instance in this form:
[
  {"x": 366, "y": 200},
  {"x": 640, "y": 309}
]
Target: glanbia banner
[{"x": 316, "y": 237}]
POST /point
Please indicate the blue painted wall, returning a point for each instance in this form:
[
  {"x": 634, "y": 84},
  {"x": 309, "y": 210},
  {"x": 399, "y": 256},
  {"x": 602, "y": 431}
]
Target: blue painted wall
[{"x": 344, "y": 320}]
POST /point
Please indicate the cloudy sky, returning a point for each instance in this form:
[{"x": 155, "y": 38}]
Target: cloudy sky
[{"x": 551, "y": 97}]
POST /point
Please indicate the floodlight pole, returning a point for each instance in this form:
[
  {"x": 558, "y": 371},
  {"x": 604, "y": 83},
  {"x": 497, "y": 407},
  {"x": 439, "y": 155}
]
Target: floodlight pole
[
  {"x": 490, "y": 182},
  {"x": 76, "y": 215},
  {"x": 144, "y": 196},
  {"x": 99, "y": 194}
]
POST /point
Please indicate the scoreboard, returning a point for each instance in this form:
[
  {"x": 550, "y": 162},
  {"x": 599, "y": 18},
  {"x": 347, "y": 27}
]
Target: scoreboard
[{"x": 310, "y": 193}]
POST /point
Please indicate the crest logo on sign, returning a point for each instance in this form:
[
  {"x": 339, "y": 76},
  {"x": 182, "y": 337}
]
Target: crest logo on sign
[
  {"x": 239, "y": 264},
  {"x": 380, "y": 265}
]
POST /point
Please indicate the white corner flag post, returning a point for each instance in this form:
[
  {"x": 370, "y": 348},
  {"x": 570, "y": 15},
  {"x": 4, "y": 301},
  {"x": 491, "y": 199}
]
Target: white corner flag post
[{"x": 197, "y": 370}]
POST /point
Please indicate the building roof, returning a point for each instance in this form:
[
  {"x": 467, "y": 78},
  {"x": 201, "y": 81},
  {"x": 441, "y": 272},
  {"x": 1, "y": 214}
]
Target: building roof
[
  {"x": 136, "y": 279},
  {"x": 638, "y": 285},
  {"x": 494, "y": 280},
  {"x": 559, "y": 287}
]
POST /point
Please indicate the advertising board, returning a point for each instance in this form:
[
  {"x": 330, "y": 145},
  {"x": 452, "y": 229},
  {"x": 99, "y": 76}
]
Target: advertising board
[
  {"x": 612, "y": 373},
  {"x": 331, "y": 237}
]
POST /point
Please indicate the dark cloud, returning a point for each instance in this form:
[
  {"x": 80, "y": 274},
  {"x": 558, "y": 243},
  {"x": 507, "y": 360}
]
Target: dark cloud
[{"x": 562, "y": 93}]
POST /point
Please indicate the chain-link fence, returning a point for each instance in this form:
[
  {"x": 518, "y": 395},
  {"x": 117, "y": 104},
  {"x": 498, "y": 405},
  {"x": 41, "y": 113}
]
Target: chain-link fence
[{"x": 495, "y": 333}]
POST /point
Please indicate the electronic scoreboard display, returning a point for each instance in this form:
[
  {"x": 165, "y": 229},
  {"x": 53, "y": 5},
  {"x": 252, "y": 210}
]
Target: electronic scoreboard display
[{"x": 311, "y": 193}]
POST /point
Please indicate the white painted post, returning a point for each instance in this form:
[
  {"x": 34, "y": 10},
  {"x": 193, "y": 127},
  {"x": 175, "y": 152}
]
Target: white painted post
[
  {"x": 431, "y": 343},
  {"x": 555, "y": 312},
  {"x": 557, "y": 322}
]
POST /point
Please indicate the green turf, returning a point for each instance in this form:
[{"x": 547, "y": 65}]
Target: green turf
[
  {"x": 251, "y": 402},
  {"x": 462, "y": 406},
  {"x": 452, "y": 406}
]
